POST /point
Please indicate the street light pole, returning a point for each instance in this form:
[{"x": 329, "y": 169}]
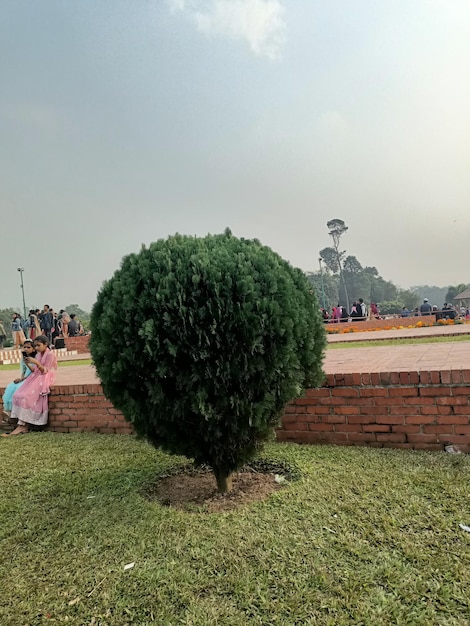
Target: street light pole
[
  {"x": 21, "y": 270},
  {"x": 322, "y": 287}
]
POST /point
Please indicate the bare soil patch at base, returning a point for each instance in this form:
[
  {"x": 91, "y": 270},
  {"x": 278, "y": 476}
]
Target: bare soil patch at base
[{"x": 191, "y": 490}]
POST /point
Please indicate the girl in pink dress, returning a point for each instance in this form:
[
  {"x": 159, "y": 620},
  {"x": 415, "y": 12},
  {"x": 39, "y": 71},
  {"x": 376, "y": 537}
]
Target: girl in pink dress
[{"x": 30, "y": 403}]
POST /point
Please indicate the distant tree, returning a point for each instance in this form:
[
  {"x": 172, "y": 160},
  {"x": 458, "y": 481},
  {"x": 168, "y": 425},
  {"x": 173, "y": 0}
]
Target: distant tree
[
  {"x": 408, "y": 298},
  {"x": 454, "y": 290},
  {"x": 330, "y": 287},
  {"x": 6, "y": 316},
  {"x": 74, "y": 308},
  {"x": 352, "y": 265},
  {"x": 336, "y": 229},
  {"x": 435, "y": 295},
  {"x": 330, "y": 259},
  {"x": 215, "y": 336}
]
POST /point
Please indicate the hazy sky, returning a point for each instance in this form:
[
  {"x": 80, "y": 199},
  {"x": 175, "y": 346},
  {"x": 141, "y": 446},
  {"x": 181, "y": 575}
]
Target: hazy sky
[{"x": 122, "y": 122}]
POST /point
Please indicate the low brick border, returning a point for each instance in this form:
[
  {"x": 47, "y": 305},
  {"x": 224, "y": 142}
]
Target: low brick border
[{"x": 421, "y": 410}]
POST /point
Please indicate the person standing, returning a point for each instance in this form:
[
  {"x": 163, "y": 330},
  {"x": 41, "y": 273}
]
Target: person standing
[
  {"x": 363, "y": 309},
  {"x": 46, "y": 322},
  {"x": 34, "y": 328},
  {"x": 17, "y": 331},
  {"x": 73, "y": 326},
  {"x": 425, "y": 308},
  {"x": 65, "y": 319}
]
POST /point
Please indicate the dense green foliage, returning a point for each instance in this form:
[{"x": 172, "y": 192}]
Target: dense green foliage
[{"x": 201, "y": 343}]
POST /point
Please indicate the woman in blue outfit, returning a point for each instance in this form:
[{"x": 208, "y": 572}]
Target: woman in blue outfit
[{"x": 25, "y": 370}]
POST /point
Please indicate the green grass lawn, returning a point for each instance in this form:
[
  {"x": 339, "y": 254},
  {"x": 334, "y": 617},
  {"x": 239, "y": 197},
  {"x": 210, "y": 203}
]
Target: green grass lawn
[
  {"x": 365, "y": 536},
  {"x": 396, "y": 342},
  {"x": 15, "y": 366}
]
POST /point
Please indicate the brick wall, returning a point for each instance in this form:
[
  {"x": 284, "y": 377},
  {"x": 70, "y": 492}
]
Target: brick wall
[
  {"x": 80, "y": 344},
  {"x": 83, "y": 408},
  {"x": 421, "y": 410},
  {"x": 399, "y": 321}
]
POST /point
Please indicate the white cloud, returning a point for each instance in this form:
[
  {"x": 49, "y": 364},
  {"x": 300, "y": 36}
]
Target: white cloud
[{"x": 258, "y": 22}]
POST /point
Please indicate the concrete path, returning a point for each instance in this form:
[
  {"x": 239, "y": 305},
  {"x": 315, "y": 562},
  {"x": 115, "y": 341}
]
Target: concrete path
[{"x": 420, "y": 357}]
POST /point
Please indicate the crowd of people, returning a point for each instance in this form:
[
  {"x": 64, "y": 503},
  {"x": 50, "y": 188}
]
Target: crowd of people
[
  {"x": 45, "y": 322},
  {"x": 359, "y": 312}
]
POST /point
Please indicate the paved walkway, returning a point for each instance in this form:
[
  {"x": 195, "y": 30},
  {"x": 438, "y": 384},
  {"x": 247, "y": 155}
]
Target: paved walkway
[
  {"x": 419, "y": 357},
  {"x": 404, "y": 333}
]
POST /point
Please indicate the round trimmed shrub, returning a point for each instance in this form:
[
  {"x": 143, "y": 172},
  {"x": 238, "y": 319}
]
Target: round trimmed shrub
[{"x": 201, "y": 342}]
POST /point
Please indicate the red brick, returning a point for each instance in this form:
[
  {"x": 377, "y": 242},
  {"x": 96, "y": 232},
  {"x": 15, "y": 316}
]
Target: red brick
[
  {"x": 317, "y": 393},
  {"x": 348, "y": 428},
  {"x": 444, "y": 410},
  {"x": 289, "y": 419},
  {"x": 345, "y": 392},
  {"x": 461, "y": 391},
  {"x": 429, "y": 410},
  {"x": 457, "y": 439},
  {"x": 360, "y": 401},
  {"x": 318, "y": 427},
  {"x": 419, "y": 438},
  {"x": 401, "y": 410},
  {"x": 396, "y": 401},
  {"x": 364, "y": 437},
  {"x": 389, "y": 419},
  {"x": 403, "y": 391},
  {"x": 456, "y": 376},
  {"x": 334, "y": 419},
  {"x": 419, "y": 400},
  {"x": 440, "y": 428},
  {"x": 347, "y": 410},
  {"x": 461, "y": 410},
  {"x": 300, "y": 401},
  {"x": 385, "y": 378},
  {"x": 427, "y": 446},
  {"x": 392, "y": 437},
  {"x": 452, "y": 419},
  {"x": 405, "y": 428},
  {"x": 374, "y": 410},
  {"x": 69, "y": 423},
  {"x": 376, "y": 428},
  {"x": 373, "y": 392},
  {"x": 453, "y": 401},
  {"x": 318, "y": 410},
  {"x": 445, "y": 376},
  {"x": 337, "y": 401},
  {"x": 362, "y": 419},
  {"x": 419, "y": 419},
  {"x": 460, "y": 429},
  {"x": 296, "y": 426},
  {"x": 434, "y": 391},
  {"x": 336, "y": 437}
]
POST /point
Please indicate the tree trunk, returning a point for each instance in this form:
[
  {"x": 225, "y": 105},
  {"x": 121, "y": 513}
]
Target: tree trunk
[{"x": 224, "y": 481}]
